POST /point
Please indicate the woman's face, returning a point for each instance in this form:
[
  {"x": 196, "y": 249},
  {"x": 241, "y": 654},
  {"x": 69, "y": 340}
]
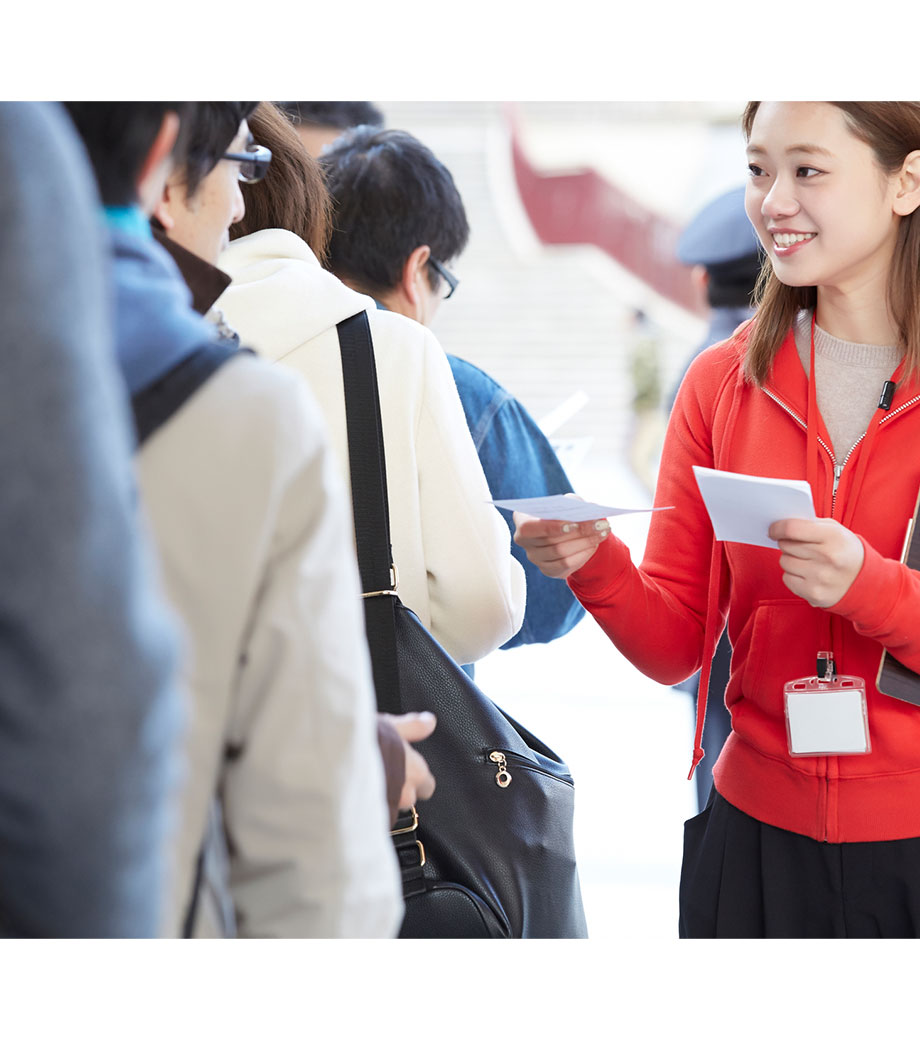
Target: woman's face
[{"x": 818, "y": 199}]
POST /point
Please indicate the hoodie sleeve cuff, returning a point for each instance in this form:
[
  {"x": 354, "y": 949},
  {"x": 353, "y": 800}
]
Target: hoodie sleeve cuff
[
  {"x": 880, "y": 603},
  {"x": 603, "y": 575}
]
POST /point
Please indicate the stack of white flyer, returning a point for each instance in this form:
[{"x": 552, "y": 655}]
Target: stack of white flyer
[{"x": 743, "y": 507}]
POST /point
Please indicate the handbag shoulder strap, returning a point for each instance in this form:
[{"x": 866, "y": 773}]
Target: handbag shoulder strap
[
  {"x": 367, "y": 460},
  {"x": 367, "y": 464}
]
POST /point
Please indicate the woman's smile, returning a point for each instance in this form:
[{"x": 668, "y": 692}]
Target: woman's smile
[{"x": 787, "y": 242}]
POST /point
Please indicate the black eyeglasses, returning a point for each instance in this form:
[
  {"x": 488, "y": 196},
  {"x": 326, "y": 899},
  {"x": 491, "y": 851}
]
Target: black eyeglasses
[
  {"x": 253, "y": 162},
  {"x": 452, "y": 280}
]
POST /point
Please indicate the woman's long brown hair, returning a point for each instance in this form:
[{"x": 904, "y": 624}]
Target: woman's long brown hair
[
  {"x": 292, "y": 195},
  {"x": 892, "y": 131}
]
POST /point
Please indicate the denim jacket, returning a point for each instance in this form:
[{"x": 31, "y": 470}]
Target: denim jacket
[{"x": 518, "y": 462}]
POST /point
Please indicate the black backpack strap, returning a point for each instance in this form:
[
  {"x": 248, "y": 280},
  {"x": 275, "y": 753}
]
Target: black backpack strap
[
  {"x": 157, "y": 403},
  {"x": 367, "y": 462}
]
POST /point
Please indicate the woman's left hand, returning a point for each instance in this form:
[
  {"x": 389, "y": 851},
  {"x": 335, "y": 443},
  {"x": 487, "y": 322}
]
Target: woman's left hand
[{"x": 820, "y": 558}]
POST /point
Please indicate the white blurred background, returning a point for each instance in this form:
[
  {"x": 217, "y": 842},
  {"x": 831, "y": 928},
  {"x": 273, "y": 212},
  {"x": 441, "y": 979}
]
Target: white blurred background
[{"x": 555, "y": 325}]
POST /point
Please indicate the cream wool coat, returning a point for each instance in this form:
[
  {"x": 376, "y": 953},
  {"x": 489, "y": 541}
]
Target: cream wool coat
[
  {"x": 451, "y": 547},
  {"x": 251, "y": 525}
]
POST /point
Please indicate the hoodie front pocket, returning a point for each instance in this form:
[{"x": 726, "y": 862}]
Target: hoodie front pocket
[{"x": 780, "y": 642}]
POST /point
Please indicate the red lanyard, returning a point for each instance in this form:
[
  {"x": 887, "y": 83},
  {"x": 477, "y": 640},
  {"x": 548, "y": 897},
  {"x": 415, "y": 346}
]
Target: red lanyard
[
  {"x": 812, "y": 448},
  {"x": 812, "y": 453}
]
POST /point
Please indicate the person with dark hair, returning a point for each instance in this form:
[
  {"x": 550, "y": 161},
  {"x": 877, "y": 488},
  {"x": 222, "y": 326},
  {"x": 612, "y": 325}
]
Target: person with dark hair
[
  {"x": 192, "y": 224},
  {"x": 721, "y": 247},
  {"x": 812, "y": 829},
  {"x": 90, "y": 711},
  {"x": 213, "y": 129},
  {"x": 283, "y": 806},
  {"x": 202, "y": 198},
  {"x": 283, "y": 301},
  {"x": 399, "y": 222},
  {"x": 319, "y": 123},
  {"x": 398, "y": 216},
  {"x": 122, "y": 136}
]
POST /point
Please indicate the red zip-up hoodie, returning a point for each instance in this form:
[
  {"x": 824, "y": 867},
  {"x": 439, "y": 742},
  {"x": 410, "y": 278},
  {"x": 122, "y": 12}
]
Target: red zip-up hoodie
[{"x": 656, "y": 614}]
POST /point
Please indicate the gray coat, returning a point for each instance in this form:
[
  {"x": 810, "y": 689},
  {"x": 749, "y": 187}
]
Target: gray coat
[{"x": 89, "y": 718}]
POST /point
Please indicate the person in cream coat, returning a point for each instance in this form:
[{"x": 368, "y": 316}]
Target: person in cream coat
[
  {"x": 284, "y": 303},
  {"x": 281, "y": 828}
]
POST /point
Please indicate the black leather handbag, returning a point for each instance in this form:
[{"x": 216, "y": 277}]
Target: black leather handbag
[{"x": 491, "y": 854}]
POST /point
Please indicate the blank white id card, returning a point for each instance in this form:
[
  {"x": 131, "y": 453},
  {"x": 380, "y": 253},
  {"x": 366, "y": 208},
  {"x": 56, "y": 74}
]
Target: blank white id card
[{"x": 827, "y": 718}]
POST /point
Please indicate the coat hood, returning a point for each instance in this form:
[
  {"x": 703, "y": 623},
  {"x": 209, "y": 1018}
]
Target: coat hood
[
  {"x": 280, "y": 296},
  {"x": 155, "y": 326}
]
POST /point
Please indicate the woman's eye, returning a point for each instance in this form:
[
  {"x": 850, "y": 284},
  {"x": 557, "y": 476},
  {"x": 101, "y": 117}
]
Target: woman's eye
[
  {"x": 806, "y": 171},
  {"x": 754, "y": 170}
]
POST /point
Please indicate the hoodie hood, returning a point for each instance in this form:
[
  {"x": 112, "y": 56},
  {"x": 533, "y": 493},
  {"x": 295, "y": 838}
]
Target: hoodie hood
[{"x": 280, "y": 296}]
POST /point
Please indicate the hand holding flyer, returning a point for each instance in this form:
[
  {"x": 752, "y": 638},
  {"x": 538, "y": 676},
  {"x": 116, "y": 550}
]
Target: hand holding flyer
[
  {"x": 742, "y": 507},
  {"x": 565, "y": 507}
]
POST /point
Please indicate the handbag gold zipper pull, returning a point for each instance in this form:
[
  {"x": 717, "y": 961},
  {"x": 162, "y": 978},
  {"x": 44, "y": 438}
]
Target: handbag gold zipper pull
[{"x": 502, "y": 777}]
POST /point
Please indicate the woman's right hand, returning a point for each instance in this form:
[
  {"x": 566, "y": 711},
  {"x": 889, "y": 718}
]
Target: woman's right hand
[{"x": 558, "y": 548}]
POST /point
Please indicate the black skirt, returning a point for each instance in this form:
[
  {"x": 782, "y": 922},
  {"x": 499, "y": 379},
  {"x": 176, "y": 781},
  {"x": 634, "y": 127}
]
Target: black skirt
[{"x": 742, "y": 879}]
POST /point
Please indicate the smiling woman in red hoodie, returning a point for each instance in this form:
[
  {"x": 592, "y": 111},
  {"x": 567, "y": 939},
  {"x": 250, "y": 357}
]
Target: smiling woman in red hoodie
[{"x": 821, "y": 385}]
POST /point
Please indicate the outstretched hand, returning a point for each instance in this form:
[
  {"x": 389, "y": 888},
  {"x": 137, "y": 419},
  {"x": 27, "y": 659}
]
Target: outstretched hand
[
  {"x": 558, "y": 548},
  {"x": 820, "y": 558}
]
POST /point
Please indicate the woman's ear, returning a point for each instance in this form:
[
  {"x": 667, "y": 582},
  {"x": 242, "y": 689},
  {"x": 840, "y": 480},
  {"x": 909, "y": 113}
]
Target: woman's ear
[{"x": 907, "y": 198}]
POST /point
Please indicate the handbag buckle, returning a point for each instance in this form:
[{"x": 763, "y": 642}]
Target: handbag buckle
[
  {"x": 391, "y": 591},
  {"x": 412, "y": 826},
  {"x": 404, "y": 847}
]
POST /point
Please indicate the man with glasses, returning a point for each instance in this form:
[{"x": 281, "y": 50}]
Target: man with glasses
[
  {"x": 283, "y": 807},
  {"x": 202, "y": 197},
  {"x": 399, "y": 222},
  {"x": 200, "y": 203}
]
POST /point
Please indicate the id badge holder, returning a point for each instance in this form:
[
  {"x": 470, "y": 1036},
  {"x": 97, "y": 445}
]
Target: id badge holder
[{"x": 826, "y": 714}]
